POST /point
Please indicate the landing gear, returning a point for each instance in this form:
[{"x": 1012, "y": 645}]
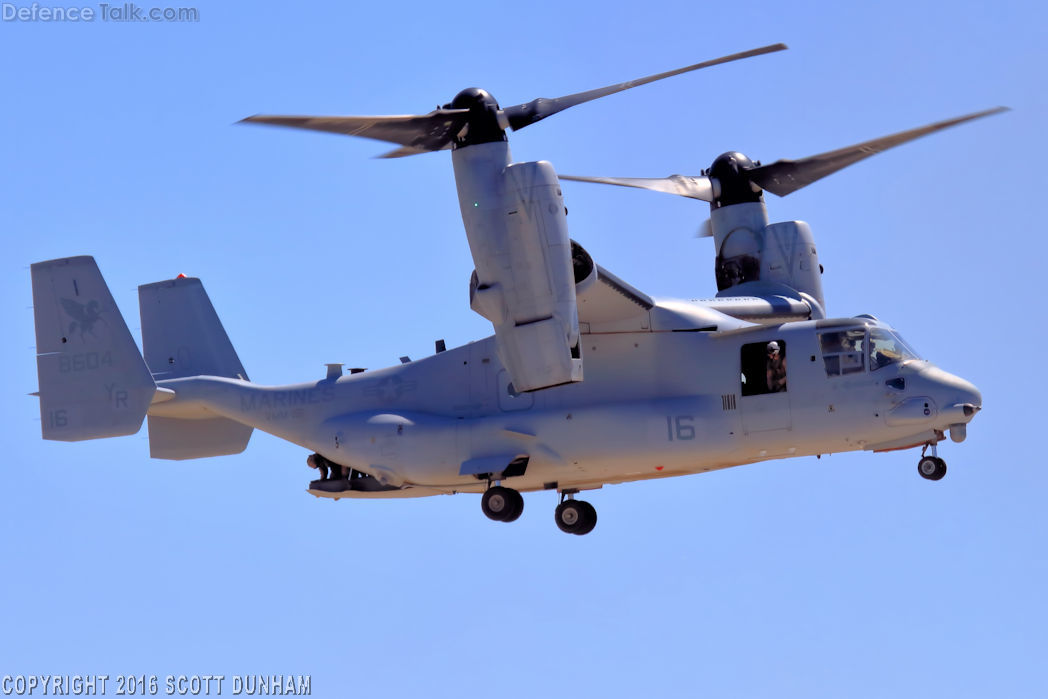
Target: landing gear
[
  {"x": 502, "y": 504},
  {"x": 576, "y": 516},
  {"x": 931, "y": 467}
]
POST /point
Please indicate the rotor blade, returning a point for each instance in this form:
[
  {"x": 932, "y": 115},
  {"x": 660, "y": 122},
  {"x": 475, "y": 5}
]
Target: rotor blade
[
  {"x": 702, "y": 188},
  {"x": 432, "y": 131},
  {"x": 787, "y": 176},
  {"x": 526, "y": 114},
  {"x": 405, "y": 151}
]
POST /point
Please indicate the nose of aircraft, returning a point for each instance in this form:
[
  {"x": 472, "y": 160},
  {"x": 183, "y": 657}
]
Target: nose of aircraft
[{"x": 958, "y": 400}]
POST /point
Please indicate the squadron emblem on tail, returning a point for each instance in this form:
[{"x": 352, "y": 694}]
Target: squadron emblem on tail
[{"x": 84, "y": 317}]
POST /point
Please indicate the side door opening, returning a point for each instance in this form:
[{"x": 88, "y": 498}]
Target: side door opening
[{"x": 764, "y": 389}]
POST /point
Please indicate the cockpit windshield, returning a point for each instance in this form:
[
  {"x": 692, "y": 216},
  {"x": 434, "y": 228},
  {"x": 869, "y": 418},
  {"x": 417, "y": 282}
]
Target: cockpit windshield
[
  {"x": 888, "y": 348},
  {"x": 861, "y": 350}
]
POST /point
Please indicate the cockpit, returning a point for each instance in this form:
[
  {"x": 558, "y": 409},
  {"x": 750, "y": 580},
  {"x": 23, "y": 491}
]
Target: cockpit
[{"x": 856, "y": 350}]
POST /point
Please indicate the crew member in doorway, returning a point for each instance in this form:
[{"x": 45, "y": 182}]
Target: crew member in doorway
[
  {"x": 776, "y": 374},
  {"x": 321, "y": 464}
]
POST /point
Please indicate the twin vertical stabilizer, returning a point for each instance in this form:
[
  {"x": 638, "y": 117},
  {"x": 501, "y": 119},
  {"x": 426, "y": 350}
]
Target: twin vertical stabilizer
[
  {"x": 183, "y": 336},
  {"x": 95, "y": 383}
]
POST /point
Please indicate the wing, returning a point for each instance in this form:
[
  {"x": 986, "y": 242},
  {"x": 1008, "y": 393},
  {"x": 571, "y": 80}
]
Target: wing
[{"x": 606, "y": 303}]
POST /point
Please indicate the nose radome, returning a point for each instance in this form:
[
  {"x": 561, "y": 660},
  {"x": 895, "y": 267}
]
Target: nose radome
[
  {"x": 957, "y": 398},
  {"x": 974, "y": 396}
]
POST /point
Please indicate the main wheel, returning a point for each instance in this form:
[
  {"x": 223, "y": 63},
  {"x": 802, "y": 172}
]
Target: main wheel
[
  {"x": 517, "y": 505},
  {"x": 931, "y": 467},
  {"x": 502, "y": 504},
  {"x": 589, "y": 519},
  {"x": 569, "y": 516},
  {"x": 576, "y": 517}
]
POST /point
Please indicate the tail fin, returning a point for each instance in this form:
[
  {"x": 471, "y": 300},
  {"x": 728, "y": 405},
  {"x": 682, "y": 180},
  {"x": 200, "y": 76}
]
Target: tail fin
[
  {"x": 93, "y": 381},
  {"x": 182, "y": 336}
]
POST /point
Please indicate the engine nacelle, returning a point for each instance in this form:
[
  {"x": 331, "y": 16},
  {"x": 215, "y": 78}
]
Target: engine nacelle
[
  {"x": 524, "y": 281},
  {"x": 756, "y": 258}
]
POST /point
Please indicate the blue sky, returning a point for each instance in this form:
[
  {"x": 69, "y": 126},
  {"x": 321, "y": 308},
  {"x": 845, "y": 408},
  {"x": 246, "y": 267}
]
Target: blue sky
[{"x": 845, "y": 576}]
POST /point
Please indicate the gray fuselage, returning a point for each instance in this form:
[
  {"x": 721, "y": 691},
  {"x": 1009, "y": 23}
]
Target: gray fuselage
[{"x": 654, "y": 403}]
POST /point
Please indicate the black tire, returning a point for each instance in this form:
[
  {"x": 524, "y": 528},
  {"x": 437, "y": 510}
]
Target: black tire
[
  {"x": 941, "y": 470},
  {"x": 589, "y": 518},
  {"x": 517, "y": 505},
  {"x": 931, "y": 468},
  {"x": 569, "y": 516},
  {"x": 498, "y": 503}
]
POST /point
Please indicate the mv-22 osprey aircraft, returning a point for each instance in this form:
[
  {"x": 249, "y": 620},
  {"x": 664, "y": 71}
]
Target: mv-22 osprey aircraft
[{"x": 587, "y": 381}]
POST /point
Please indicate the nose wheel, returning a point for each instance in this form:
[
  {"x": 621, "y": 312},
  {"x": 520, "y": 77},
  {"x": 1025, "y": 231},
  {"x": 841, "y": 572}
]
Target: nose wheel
[
  {"x": 931, "y": 467},
  {"x": 575, "y": 516},
  {"x": 502, "y": 504}
]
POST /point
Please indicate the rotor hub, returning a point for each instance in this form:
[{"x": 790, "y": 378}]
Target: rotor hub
[
  {"x": 482, "y": 125},
  {"x": 473, "y": 97},
  {"x": 731, "y": 170}
]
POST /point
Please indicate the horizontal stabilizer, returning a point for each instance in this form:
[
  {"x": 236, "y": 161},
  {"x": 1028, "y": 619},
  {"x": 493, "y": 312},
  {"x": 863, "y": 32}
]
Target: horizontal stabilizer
[{"x": 93, "y": 381}]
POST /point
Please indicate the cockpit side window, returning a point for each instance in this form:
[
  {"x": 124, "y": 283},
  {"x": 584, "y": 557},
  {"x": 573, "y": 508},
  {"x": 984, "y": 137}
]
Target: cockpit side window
[
  {"x": 843, "y": 351},
  {"x": 887, "y": 348}
]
